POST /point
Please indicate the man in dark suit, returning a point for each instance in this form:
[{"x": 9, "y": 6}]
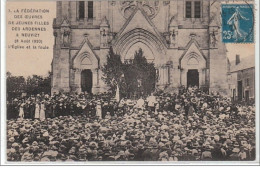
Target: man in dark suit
[
  {"x": 151, "y": 153},
  {"x": 32, "y": 110},
  {"x": 27, "y": 110}
]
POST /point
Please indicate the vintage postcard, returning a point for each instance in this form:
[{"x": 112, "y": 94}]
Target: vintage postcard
[{"x": 133, "y": 82}]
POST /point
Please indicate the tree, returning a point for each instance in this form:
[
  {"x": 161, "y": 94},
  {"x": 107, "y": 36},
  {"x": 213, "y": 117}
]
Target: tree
[
  {"x": 136, "y": 77},
  {"x": 37, "y": 84},
  {"x": 15, "y": 85},
  {"x": 140, "y": 75},
  {"x": 112, "y": 70}
]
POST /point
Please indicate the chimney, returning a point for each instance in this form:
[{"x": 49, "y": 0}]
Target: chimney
[{"x": 237, "y": 59}]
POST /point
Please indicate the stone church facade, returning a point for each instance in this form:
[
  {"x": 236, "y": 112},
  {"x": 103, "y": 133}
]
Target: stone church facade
[{"x": 181, "y": 37}]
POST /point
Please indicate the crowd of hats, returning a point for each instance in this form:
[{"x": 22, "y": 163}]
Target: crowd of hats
[
  {"x": 217, "y": 129},
  {"x": 57, "y": 105}
]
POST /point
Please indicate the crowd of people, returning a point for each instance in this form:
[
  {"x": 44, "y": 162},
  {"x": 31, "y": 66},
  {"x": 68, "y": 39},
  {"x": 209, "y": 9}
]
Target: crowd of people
[{"x": 189, "y": 126}]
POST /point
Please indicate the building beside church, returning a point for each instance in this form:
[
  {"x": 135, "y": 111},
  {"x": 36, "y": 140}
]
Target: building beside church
[
  {"x": 181, "y": 37},
  {"x": 241, "y": 78}
]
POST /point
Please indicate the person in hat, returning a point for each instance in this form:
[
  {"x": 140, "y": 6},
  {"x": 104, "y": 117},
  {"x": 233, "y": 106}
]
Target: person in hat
[
  {"x": 140, "y": 103},
  {"x": 48, "y": 109},
  {"x": 151, "y": 101},
  {"x": 218, "y": 153},
  {"x": 92, "y": 109},
  {"x": 206, "y": 155},
  {"x": 173, "y": 156},
  {"x": 104, "y": 109},
  {"x": 31, "y": 110},
  {"x": 9, "y": 110},
  {"x": 27, "y": 109},
  {"x": 21, "y": 110},
  {"x": 151, "y": 153},
  {"x": 120, "y": 156},
  {"x": 242, "y": 154},
  {"x": 235, "y": 154},
  {"x": 99, "y": 110}
]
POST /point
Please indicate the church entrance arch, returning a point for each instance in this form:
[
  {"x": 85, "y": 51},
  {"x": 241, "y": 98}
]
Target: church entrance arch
[
  {"x": 193, "y": 72},
  {"x": 129, "y": 55},
  {"x": 153, "y": 47},
  {"x": 86, "y": 81},
  {"x": 140, "y": 38},
  {"x": 85, "y": 71}
]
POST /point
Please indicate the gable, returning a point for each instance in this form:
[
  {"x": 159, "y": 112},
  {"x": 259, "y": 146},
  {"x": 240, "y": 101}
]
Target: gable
[
  {"x": 193, "y": 55},
  {"x": 192, "y": 46},
  {"x": 65, "y": 23},
  {"x": 140, "y": 20},
  {"x": 86, "y": 58},
  {"x": 86, "y": 61}
]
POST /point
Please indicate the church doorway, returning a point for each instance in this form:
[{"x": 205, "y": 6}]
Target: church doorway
[
  {"x": 192, "y": 78},
  {"x": 86, "y": 81}
]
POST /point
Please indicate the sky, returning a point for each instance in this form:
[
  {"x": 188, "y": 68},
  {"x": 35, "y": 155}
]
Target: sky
[
  {"x": 244, "y": 50},
  {"x": 28, "y": 62}
]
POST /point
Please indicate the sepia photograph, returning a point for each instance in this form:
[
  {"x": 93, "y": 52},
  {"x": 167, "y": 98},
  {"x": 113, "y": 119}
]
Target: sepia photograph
[{"x": 134, "y": 82}]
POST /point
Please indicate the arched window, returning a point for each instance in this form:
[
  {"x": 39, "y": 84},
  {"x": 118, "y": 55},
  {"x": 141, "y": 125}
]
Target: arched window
[
  {"x": 188, "y": 9},
  {"x": 193, "y": 9},
  {"x": 90, "y": 10},
  {"x": 197, "y": 9},
  {"x": 81, "y": 9}
]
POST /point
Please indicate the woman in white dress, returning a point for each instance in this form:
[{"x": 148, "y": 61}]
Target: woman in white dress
[
  {"x": 157, "y": 106},
  {"x": 117, "y": 94},
  {"x": 37, "y": 110},
  {"x": 140, "y": 103},
  {"x": 99, "y": 110},
  {"x": 42, "y": 111},
  {"x": 21, "y": 111}
]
